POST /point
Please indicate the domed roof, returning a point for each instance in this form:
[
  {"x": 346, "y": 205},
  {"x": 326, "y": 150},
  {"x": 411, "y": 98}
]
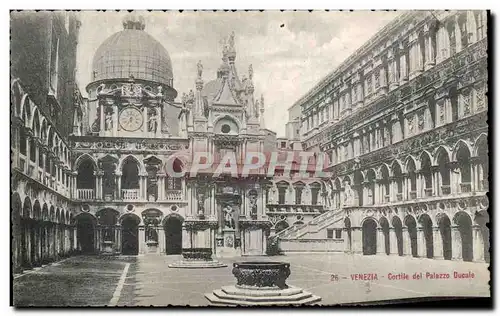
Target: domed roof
[{"x": 132, "y": 52}]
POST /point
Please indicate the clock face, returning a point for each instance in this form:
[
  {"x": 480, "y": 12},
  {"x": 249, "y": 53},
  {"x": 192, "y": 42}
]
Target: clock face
[{"x": 130, "y": 119}]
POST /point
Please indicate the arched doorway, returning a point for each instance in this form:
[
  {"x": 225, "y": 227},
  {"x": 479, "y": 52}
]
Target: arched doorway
[
  {"x": 384, "y": 225},
  {"x": 369, "y": 232},
  {"x": 16, "y": 209},
  {"x": 398, "y": 229},
  {"x": 464, "y": 224},
  {"x": 282, "y": 225},
  {"x": 445, "y": 230},
  {"x": 412, "y": 233},
  {"x": 85, "y": 226},
  {"x": 482, "y": 219},
  {"x": 426, "y": 223},
  {"x": 173, "y": 235},
  {"x": 130, "y": 234}
]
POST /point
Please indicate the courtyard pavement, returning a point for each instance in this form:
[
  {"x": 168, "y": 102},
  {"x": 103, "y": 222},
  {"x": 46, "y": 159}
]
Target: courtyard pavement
[{"x": 147, "y": 280}]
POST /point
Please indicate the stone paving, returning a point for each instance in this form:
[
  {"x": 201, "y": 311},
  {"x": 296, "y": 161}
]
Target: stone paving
[{"x": 337, "y": 278}]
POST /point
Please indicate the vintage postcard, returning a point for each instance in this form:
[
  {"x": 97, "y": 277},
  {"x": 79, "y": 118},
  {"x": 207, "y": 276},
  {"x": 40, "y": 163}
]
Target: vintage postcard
[{"x": 248, "y": 158}]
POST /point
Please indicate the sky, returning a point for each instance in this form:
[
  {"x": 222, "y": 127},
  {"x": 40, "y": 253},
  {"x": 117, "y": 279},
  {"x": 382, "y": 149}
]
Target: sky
[{"x": 289, "y": 51}]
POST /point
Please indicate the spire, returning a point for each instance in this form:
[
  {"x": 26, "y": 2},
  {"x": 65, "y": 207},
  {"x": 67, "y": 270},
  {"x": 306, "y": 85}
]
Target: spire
[{"x": 134, "y": 21}]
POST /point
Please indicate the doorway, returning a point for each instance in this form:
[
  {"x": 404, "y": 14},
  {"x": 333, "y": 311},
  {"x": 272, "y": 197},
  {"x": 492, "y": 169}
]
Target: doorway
[
  {"x": 173, "y": 236},
  {"x": 130, "y": 235}
]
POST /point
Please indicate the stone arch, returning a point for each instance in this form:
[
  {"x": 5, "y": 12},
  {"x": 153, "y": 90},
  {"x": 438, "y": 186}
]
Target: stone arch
[
  {"x": 369, "y": 227},
  {"x": 130, "y": 233},
  {"x": 411, "y": 224},
  {"x": 464, "y": 237},
  {"x": 140, "y": 165},
  {"x": 25, "y": 110},
  {"x": 481, "y": 139},
  {"x": 444, "y": 224},
  {"x": 398, "y": 230},
  {"x": 218, "y": 124},
  {"x": 83, "y": 157},
  {"x": 359, "y": 179},
  {"x": 85, "y": 236},
  {"x": 27, "y": 208},
  {"x": 482, "y": 219},
  {"x": 371, "y": 178},
  {"x": 441, "y": 151},
  {"x": 461, "y": 144},
  {"x": 16, "y": 95},
  {"x": 35, "y": 124},
  {"x": 384, "y": 226},
  {"x": 172, "y": 225},
  {"x": 426, "y": 224},
  {"x": 52, "y": 213},
  {"x": 384, "y": 177},
  {"x": 37, "y": 211}
]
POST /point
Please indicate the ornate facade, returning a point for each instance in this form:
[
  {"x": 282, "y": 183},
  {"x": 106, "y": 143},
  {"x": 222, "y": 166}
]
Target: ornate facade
[{"x": 404, "y": 122}]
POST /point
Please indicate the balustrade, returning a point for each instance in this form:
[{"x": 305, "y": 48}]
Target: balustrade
[
  {"x": 130, "y": 194},
  {"x": 173, "y": 195},
  {"x": 85, "y": 194}
]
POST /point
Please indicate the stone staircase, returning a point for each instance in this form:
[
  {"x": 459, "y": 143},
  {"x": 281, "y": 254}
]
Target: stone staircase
[{"x": 316, "y": 224}]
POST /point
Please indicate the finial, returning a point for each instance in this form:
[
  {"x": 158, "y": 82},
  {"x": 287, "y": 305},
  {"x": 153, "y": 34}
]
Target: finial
[{"x": 133, "y": 21}]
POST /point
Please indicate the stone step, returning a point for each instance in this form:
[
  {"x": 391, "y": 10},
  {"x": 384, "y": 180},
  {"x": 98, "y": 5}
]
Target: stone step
[
  {"x": 231, "y": 289},
  {"x": 275, "y": 298},
  {"x": 214, "y": 300}
]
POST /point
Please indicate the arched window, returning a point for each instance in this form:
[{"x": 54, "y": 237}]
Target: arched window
[
  {"x": 398, "y": 180},
  {"x": 412, "y": 175},
  {"x": 385, "y": 183},
  {"x": 483, "y": 166},
  {"x": 299, "y": 187},
  {"x": 444, "y": 172},
  {"x": 371, "y": 179},
  {"x": 85, "y": 181},
  {"x": 426, "y": 171},
  {"x": 315, "y": 188},
  {"x": 22, "y": 141},
  {"x": 130, "y": 174},
  {"x": 464, "y": 166}
]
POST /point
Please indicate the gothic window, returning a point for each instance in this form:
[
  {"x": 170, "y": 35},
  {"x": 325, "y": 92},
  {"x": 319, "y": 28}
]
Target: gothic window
[
  {"x": 32, "y": 149},
  {"x": 377, "y": 79},
  {"x": 315, "y": 193}
]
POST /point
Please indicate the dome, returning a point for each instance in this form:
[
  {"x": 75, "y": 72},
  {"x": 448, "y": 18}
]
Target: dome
[{"x": 132, "y": 52}]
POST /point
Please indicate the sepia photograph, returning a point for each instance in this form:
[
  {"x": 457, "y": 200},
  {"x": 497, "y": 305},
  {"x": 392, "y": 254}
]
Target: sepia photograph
[{"x": 248, "y": 158}]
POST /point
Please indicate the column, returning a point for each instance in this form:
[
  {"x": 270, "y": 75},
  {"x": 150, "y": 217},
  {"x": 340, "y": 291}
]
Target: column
[
  {"x": 161, "y": 186},
  {"x": 393, "y": 242},
  {"x": 406, "y": 242},
  {"x": 403, "y": 74},
  {"x": 161, "y": 239},
  {"x": 220, "y": 219},
  {"x": 145, "y": 120},
  {"x": 415, "y": 56},
  {"x": 430, "y": 54},
  {"x": 142, "y": 240},
  {"x": 102, "y": 119},
  {"x": 383, "y": 79},
  {"x": 437, "y": 241},
  {"x": 118, "y": 186},
  {"x": 456, "y": 243},
  {"x": 421, "y": 246},
  {"x": 347, "y": 246},
  {"x": 357, "y": 240},
  {"x": 380, "y": 242},
  {"x": 477, "y": 244},
  {"x": 115, "y": 120}
]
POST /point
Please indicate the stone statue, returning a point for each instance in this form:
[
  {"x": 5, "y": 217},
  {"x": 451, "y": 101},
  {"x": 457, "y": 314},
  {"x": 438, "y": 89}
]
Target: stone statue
[
  {"x": 190, "y": 98},
  {"x": 184, "y": 99},
  {"x": 108, "y": 122},
  {"x": 153, "y": 121},
  {"x": 348, "y": 194},
  {"x": 200, "y": 69},
  {"x": 228, "y": 217},
  {"x": 253, "y": 203},
  {"x": 160, "y": 89},
  {"x": 201, "y": 203}
]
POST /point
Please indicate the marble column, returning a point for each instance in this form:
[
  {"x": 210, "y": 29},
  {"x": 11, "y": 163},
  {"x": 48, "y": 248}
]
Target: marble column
[
  {"x": 393, "y": 241},
  {"x": 102, "y": 118},
  {"x": 142, "y": 240},
  {"x": 437, "y": 241},
  {"x": 357, "y": 240},
  {"x": 421, "y": 245},
  {"x": 161, "y": 240},
  {"x": 477, "y": 244},
  {"x": 430, "y": 54},
  {"x": 406, "y": 242},
  {"x": 380, "y": 242},
  {"x": 403, "y": 71},
  {"x": 456, "y": 243}
]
